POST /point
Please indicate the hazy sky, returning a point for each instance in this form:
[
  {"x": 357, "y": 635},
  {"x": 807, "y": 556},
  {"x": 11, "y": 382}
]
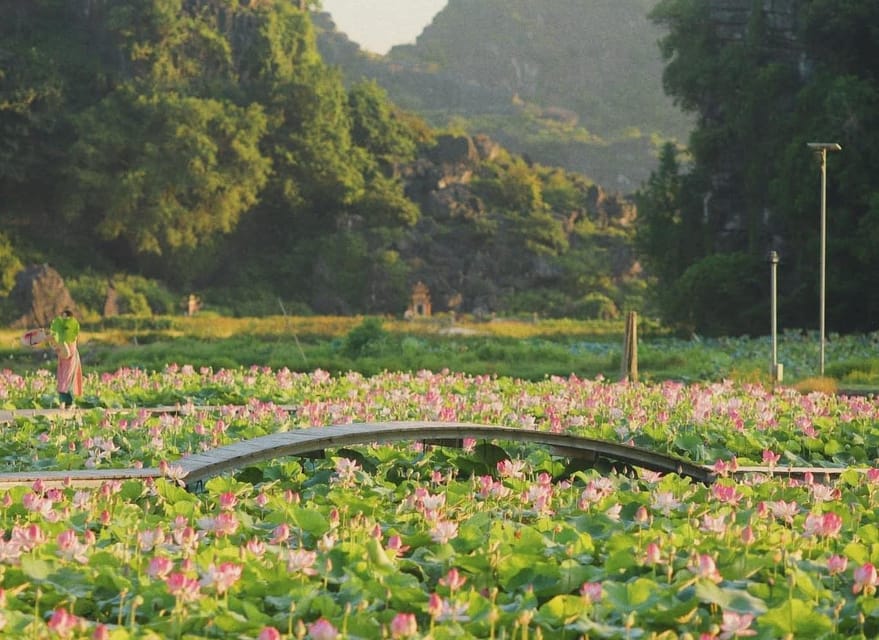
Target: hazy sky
[{"x": 377, "y": 25}]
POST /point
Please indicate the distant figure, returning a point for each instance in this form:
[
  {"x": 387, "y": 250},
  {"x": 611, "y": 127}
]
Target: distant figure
[
  {"x": 65, "y": 331},
  {"x": 193, "y": 305}
]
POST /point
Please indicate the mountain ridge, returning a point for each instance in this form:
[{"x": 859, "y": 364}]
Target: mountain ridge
[{"x": 563, "y": 83}]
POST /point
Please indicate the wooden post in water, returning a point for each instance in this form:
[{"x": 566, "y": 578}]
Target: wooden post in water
[{"x": 629, "y": 367}]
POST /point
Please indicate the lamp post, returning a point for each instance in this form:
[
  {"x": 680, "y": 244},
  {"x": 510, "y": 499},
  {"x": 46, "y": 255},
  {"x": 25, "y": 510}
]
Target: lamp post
[
  {"x": 822, "y": 148},
  {"x": 773, "y": 286}
]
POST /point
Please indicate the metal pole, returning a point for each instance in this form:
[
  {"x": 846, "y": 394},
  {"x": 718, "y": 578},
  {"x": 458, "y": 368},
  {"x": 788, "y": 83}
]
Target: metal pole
[
  {"x": 773, "y": 259},
  {"x": 823, "y": 254},
  {"x": 823, "y": 148}
]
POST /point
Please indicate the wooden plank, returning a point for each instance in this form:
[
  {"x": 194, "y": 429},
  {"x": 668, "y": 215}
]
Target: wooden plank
[
  {"x": 75, "y": 478},
  {"x": 10, "y": 415},
  {"x": 778, "y": 470}
]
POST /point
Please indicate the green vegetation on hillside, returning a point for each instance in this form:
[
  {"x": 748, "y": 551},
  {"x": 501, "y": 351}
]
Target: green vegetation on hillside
[{"x": 206, "y": 146}]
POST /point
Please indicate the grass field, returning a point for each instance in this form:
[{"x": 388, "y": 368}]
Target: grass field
[{"x": 522, "y": 348}]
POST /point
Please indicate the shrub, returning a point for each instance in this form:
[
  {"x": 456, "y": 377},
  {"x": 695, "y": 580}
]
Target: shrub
[
  {"x": 369, "y": 338},
  {"x": 596, "y": 306},
  {"x": 722, "y": 294},
  {"x": 817, "y": 384},
  {"x": 135, "y": 295},
  {"x": 10, "y": 265}
]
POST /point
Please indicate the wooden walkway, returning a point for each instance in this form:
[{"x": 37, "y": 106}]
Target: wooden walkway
[
  {"x": 9, "y": 415},
  {"x": 192, "y": 470}
]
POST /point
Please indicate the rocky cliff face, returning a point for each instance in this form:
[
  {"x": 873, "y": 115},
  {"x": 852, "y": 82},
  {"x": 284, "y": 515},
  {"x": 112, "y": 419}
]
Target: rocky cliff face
[
  {"x": 734, "y": 21},
  {"x": 468, "y": 252},
  {"x": 733, "y": 17}
]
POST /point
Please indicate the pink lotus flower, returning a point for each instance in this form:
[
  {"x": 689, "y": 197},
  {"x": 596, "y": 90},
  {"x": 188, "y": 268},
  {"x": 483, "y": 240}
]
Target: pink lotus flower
[
  {"x": 453, "y": 580},
  {"x": 346, "y": 471},
  {"x": 269, "y": 633},
  {"x": 714, "y": 524},
  {"x": 653, "y": 554},
  {"x": 824, "y": 493},
  {"x": 613, "y": 512},
  {"x": 591, "y": 591},
  {"x": 221, "y": 577},
  {"x": 783, "y": 510},
  {"x": 866, "y": 579},
  {"x": 65, "y": 623},
  {"x": 443, "y": 610},
  {"x": 703, "y": 567},
  {"x": 736, "y": 625},
  {"x": 511, "y": 468},
  {"x": 223, "y": 525},
  {"x": 664, "y": 502},
  {"x": 159, "y": 567},
  {"x": 280, "y": 534},
  {"x": 256, "y": 547},
  {"x": 396, "y": 546},
  {"x": 434, "y": 605},
  {"x": 322, "y": 630},
  {"x": 101, "y": 632},
  {"x": 726, "y": 494},
  {"x": 836, "y": 564},
  {"x": 183, "y": 587},
  {"x": 443, "y": 531},
  {"x": 302, "y": 561},
  {"x": 228, "y": 501},
  {"x": 404, "y": 625},
  {"x": 770, "y": 458},
  {"x": 28, "y": 537},
  {"x": 70, "y": 548},
  {"x": 147, "y": 540},
  {"x": 826, "y": 525},
  {"x": 722, "y": 468}
]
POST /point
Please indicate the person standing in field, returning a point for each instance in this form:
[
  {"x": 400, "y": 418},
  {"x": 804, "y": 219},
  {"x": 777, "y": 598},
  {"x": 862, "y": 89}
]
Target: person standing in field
[{"x": 65, "y": 331}]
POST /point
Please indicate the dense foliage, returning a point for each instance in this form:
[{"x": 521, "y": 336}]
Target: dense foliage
[
  {"x": 205, "y": 145},
  {"x": 752, "y": 185}
]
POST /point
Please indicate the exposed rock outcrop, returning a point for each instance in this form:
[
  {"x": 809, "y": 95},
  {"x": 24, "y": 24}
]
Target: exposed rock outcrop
[{"x": 39, "y": 296}]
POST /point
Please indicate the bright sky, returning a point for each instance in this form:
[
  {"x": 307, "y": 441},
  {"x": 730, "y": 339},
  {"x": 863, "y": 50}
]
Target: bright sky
[{"x": 377, "y": 25}]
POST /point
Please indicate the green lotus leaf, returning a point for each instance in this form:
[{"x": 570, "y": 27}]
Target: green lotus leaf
[
  {"x": 729, "y": 599},
  {"x": 35, "y": 568},
  {"x": 64, "y": 329},
  {"x": 311, "y": 521},
  {"x": 637, "y": 595},
  {"x": 406, "y": 591},
  {"x": 798, "y": 618},
  {"x": 69, "y": 582},
  {"x": 562, "y": 610}
]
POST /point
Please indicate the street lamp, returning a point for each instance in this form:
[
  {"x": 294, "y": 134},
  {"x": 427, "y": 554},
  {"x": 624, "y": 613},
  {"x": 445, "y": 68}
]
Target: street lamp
[
  {"x": 773, "y": 297},
  {"x": 822, "y": 148}
]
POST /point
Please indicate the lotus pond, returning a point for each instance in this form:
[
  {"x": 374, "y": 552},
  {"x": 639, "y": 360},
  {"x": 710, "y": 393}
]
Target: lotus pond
[{"x": 492, "y": 540}]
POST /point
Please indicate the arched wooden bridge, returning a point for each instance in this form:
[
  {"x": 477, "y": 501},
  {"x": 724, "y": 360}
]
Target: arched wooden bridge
[{"x": 192, "y": 470}]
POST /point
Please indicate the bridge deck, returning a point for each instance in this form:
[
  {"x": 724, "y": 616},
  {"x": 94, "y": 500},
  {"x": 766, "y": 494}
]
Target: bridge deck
[{"x": 194, "y": 469}]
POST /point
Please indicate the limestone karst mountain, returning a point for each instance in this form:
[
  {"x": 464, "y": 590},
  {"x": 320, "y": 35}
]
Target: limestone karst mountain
[{"x": 569, "y": 83}]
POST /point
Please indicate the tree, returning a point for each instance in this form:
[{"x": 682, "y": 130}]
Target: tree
[
  {"x": 659, "y": 220},
  {"x": 166, "y": 171}
]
